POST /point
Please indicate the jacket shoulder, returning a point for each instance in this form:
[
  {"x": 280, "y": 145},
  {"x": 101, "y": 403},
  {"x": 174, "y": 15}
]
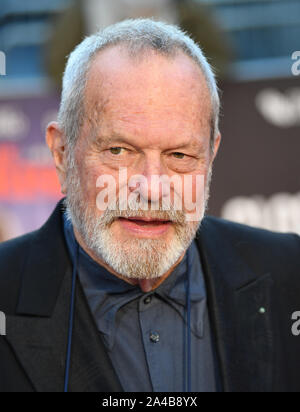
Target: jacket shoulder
[
  {"x": 281, "y": 250},
  {"x": 244, "y": 232}
]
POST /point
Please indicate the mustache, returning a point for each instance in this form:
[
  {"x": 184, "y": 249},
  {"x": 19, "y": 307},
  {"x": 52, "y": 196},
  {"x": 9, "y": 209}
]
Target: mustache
[{"x": 175, "y": 216}]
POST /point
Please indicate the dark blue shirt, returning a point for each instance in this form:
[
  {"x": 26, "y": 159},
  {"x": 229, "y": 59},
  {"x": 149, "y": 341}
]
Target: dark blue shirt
[{"x": 145, "y": 333}]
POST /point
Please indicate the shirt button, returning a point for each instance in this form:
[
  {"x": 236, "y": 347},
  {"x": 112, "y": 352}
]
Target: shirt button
[
  {"x": 154, "y": 337},
  {"x": 148, "y": 300}
]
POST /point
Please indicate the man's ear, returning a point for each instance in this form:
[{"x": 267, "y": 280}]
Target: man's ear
[
  {"x": 56, "y": 142},
  {"x": 216, "y": 146}
]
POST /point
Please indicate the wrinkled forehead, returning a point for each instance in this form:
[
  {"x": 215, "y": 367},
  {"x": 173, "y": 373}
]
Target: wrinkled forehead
[{"x": 150, "y": 88}]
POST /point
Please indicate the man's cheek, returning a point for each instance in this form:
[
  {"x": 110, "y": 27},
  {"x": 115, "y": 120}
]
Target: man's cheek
[{"x": 88, "y": 177}]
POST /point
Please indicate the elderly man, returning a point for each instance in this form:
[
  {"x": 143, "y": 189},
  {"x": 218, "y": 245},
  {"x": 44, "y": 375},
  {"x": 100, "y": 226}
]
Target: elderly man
[{"x": 150, "y": 296}]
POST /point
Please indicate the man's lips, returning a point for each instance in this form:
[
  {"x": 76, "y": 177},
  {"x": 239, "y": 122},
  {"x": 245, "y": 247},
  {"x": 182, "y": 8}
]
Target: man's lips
[
  {"x": 145, "y": 226},
  {"x": 146, "y": 220}
]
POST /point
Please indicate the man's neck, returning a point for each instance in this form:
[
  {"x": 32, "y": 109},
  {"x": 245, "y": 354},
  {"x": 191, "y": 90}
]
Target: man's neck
[{"x": 146, "y": 285}]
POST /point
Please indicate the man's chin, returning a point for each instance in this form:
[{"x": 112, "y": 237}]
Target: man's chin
[{"x": 135, "y": 257}]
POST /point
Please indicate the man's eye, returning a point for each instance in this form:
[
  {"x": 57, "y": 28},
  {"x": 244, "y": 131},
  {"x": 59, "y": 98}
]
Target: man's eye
[
  {"x": 178, "y": 155},
  {"x": 116, "y": 150}
]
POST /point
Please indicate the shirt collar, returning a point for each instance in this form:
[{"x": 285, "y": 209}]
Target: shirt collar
[{"x": 106, "y": 293}]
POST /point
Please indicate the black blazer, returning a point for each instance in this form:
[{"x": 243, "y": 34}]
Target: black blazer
[{"x": 246, "y": 270}]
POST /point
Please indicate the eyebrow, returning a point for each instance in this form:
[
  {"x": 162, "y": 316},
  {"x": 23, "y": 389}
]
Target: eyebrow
[
  {"x": 104, "y": 141},
  {"x": 116, "y": 138}
]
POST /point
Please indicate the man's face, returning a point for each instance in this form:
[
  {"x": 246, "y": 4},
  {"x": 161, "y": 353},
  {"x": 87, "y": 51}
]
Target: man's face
[{"x": 149, "y": 117}]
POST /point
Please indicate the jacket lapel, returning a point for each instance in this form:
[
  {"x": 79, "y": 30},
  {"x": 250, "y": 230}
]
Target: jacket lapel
[
  {"x": 38, "y": 332},
  {"x": 39, "y": 343},
  {"x": 239, "y": 305}
]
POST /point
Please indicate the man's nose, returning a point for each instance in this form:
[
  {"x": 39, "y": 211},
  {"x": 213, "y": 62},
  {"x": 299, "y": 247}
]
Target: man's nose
[{"x": 151, "y": 186}]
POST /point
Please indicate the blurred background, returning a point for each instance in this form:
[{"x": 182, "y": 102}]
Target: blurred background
[{"x": 251, "y": 44}]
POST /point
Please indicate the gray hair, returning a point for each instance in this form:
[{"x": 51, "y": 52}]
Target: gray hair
[{"x": 137, "y": 35}]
